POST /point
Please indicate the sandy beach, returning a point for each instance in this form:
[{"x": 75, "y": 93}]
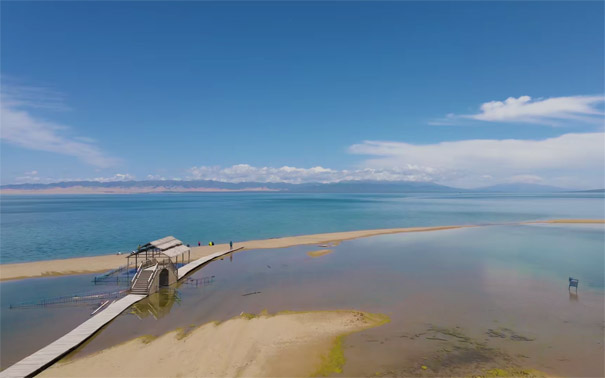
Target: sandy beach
[
  {"x": 96, "y": 264},
  {"x": 285, "y": 344}
]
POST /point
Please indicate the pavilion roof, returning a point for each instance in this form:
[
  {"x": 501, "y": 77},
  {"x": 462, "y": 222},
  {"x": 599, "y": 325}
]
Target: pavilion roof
[{"x": 169, "y": 246}]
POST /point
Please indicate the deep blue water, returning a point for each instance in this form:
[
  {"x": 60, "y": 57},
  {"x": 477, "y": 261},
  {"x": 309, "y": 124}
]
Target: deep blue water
[{"x": 49, "y": 227}]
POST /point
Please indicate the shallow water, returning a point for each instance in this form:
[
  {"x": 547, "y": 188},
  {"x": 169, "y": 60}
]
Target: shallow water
[
  {"x": 24, "y": 330},
  {"x": 500, "y": 290},
  {"x": 61, "y": 226}
]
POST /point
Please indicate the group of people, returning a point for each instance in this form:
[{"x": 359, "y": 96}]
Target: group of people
[{"x": 199, "y": 244}]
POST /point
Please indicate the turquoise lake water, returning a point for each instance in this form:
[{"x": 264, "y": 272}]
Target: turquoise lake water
[
  {"x": 473, "y": 279},
  {"x": 49, "y": 227},
  {"x": 512, "y": 276}
]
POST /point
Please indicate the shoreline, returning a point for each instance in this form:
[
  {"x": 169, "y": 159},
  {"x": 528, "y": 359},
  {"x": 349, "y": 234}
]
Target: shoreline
[{"x": 103, "y": 263}]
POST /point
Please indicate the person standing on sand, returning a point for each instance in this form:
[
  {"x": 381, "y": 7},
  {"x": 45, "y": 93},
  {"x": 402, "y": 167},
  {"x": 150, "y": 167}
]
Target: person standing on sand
[{"x": 231, "y": 245}]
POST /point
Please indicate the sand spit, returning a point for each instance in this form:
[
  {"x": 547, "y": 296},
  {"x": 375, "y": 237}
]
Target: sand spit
[
  {"x": 319, "y": 253},
  {"x": 96, "y": 264},
  {"x": 286, "y": 344}
]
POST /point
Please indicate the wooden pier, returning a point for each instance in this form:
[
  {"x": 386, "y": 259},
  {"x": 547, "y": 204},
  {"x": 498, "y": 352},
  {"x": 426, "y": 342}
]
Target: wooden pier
[
  {"x": 40, "y": 360},
  {"x": 43, "y": 358},
  {"x": 186, "y": 269}
]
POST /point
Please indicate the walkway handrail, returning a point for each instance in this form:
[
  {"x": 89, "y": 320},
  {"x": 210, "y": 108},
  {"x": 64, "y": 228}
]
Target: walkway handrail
[
  {"x": 152, "y": 273},
  {"x": 151, "y": 277},
  {"x": 138, "y": 273}
]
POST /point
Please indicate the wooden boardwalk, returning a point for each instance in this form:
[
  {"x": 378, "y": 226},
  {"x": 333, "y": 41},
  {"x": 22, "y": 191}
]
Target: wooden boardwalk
[
  {"x": 184, "y": 270},
  {"x": 38, "y": 361},
  {"x": 35, "y": 363}
]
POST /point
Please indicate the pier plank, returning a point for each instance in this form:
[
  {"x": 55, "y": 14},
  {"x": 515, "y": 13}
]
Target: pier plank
[{"x": 186, "y": 269}]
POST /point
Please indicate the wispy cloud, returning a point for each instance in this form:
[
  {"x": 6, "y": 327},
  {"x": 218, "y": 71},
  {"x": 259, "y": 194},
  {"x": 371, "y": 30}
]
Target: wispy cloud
[
  {"x": 22, "y": 128},
  {"x": 553, "y": 111},
  {"x": 574, "y": 160}
]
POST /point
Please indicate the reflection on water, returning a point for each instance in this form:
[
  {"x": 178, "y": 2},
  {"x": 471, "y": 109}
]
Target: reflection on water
[
  {"x": 25, "y": 330},
  {"x": 573, "y": 297},
  {"x": 157, "y": 305},
  {"x": 473, "y": 291}
]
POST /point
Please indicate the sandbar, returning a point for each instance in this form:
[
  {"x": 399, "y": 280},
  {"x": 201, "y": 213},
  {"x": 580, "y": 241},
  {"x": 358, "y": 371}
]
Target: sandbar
[
  {"x": 285, "y": 344},
  {"x": 319, "y": 253},
  {"x": 96, "y": 264}
]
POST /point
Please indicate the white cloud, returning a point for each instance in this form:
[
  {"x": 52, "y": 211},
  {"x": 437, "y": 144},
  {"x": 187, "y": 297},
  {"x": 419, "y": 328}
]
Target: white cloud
[
  {"x": 116, "y": 177},
  {"x": 22, "y": 96},
  {"x": 551, "y": 111},
  {"x": 156, "y": 177},
  {"x": 21, "y": 128},
  {"x": 294, "y": 175},
  {"x": 34, "y": 178},
  {"x": 28, "y": 177},
  {"x": 468, "y": 163}
]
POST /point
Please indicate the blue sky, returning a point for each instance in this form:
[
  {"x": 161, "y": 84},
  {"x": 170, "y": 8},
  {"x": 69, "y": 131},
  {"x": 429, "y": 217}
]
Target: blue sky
[{"x": 304, "y": 91}]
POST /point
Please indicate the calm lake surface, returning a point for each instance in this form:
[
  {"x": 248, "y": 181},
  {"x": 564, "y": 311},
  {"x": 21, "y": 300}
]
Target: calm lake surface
[
  {"x": 502, "y": 287},
  {"x": 501, "y": 290},
  {"x": 61, "y": 226}
]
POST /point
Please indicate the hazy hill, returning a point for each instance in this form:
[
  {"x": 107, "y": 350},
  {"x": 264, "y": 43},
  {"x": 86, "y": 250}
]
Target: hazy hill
[
  {"x": 167, "y": 186},
  {"x": 149, "y": 186}
]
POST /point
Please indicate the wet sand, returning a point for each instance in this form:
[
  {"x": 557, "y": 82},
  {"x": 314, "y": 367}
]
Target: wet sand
[
  {"x": 95, "y": 264},
  {"x": 285, "y": 344}
]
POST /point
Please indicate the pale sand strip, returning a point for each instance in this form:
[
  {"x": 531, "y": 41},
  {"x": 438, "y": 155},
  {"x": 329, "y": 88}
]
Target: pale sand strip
[
  {"x": 95, "y": 264},
  {"x": 287, "y": 344}
]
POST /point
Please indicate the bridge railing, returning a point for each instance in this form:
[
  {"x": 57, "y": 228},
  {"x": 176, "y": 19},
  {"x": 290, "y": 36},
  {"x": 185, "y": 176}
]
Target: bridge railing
[
  {"x": 152, "y": 276},
  {"x": 137, "y": 274}
]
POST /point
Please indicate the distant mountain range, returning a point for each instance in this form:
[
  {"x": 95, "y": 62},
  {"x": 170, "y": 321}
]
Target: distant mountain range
[
  {"x": 520, "y": 188},
  {"x": 174, "y": 186}
]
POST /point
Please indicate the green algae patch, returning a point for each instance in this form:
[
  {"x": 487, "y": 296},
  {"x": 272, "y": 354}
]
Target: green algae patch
[
  {"x": 333, "y": 361},
  {"x": 376, "y": 320},
  {"x": 514, "y": 372},
  {"x": 247, "y": 315},
  {"x": 146, "y": 339}
]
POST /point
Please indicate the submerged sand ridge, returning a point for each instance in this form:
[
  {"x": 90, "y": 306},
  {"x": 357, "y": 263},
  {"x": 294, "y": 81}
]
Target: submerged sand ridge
[
  {"x": 285, "y": 344},
  {"x": 96, "y": 264}
]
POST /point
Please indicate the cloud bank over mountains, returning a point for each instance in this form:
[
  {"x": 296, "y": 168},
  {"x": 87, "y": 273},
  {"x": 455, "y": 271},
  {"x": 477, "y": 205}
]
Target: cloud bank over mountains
[
  {"x": 294, "y": 175},
  {"x": 568, "y": 160}
]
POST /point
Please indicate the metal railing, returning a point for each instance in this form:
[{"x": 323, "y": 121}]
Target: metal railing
[
  {"x": 70, "y": 299},
  {"x": 137, "y": 274}
]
